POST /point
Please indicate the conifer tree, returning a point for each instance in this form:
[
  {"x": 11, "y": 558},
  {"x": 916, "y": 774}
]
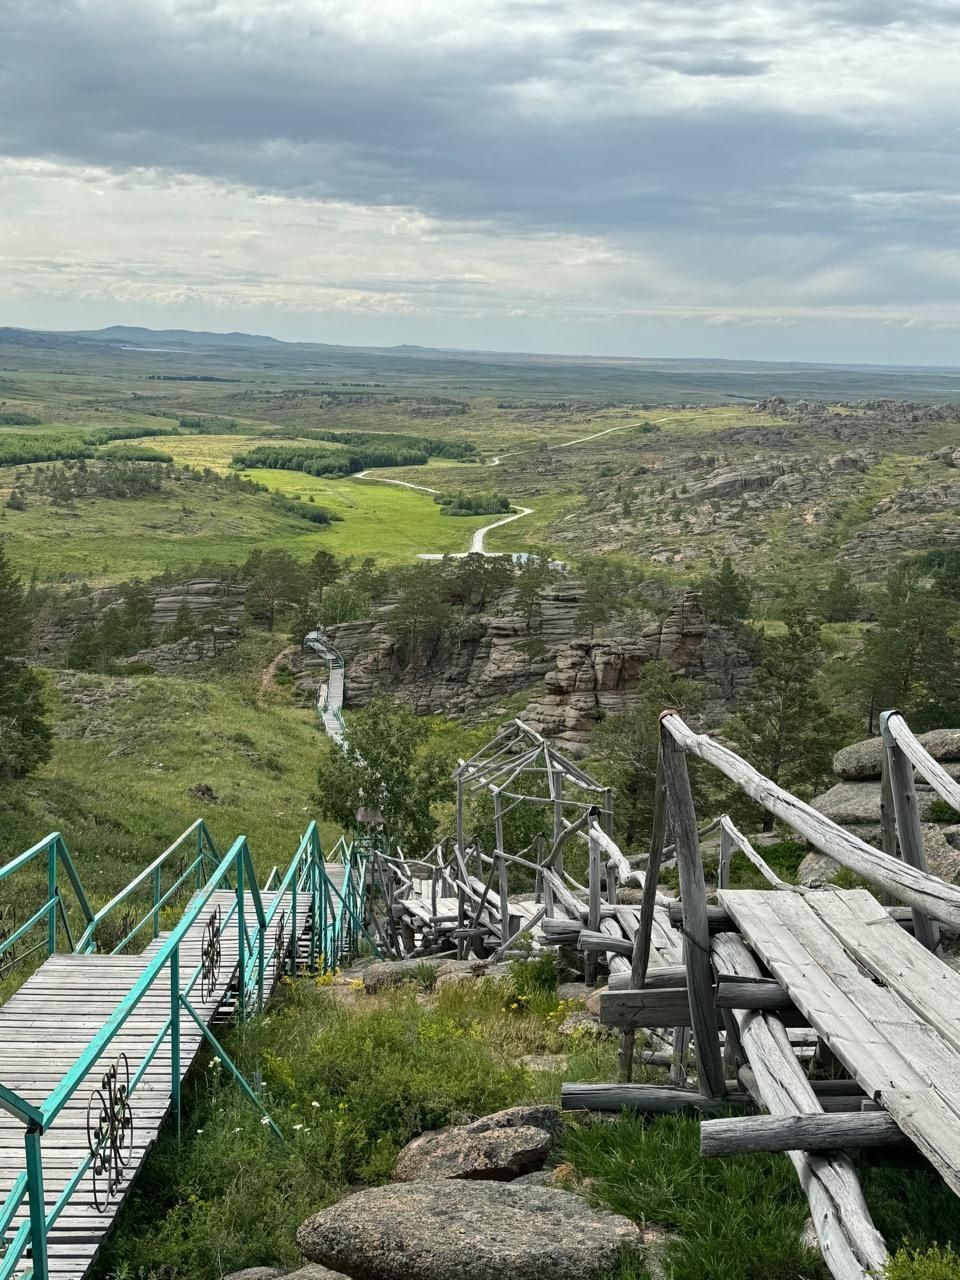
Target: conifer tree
[
  {"x": 24, "y": 732},
  {"x": 727, "y": 595}
]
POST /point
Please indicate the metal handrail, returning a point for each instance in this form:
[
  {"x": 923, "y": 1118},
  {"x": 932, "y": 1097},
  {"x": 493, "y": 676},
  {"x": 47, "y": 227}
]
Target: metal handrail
[
  {"x": 335, "y": 926},
  {"x": 206, "y": 856},
  {"x": 57, "y": 856}
]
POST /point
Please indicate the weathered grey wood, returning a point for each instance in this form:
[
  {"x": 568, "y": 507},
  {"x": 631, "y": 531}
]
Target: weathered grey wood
[
  {"x": 673, "y": 975},
  {"x": 645, "y": 1099},
  {"x": 726, "y": 857},
  {"x": 742, "y": 1134},
  {"x": 906, "y": 883},
  {"x": 873, "y": 1032},
  {"x": 593, "y": 913},
  {"x": 909, "y": 831},
  {"x": 664, "y": 1007},
  {"x": 932, "y": 771},
  {"x": 852, "y": 1247},
  {"x": 721, "y": 921},
  {"x": 587, "y": 940},
  {"x": 740, "y": 993},
  {"x": 922, "y": 980},
  {"x": 693, "y": 897},
  {"x": 643, "y": 937}
]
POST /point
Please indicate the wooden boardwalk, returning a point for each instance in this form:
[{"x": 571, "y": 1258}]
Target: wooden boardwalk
[
  {"x": 44, "y": 1028},
  {"x": 888, "y": 1009}
]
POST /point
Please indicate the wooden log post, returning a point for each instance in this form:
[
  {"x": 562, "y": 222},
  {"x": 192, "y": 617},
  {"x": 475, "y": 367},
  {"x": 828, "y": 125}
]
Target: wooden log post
[
  {"x": 644, "y": 1099},
  {"x": 909, "y": 831},
  {"x": 726, "y": 857},
  {"x": 640, "y": 960},
  {"x": 814, "y": 1132},
  {"x": 693, "y": 899},
  {"x": 593, "y": 907}
]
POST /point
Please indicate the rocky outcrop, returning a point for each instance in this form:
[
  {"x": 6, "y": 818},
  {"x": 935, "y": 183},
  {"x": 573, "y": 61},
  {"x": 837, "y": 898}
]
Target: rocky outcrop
[
  {"x": 206, "y": 598},
  {"x": 595, "y": 678},
  {"x": 854, "y": 803},
  {"x": 582, "y": 679},
  {"x": 500, "y": 1147},
  {"x": 862, "y": 760},
  {"x": 474, "y": 1231},
  {"x": 168, "y": 659}
]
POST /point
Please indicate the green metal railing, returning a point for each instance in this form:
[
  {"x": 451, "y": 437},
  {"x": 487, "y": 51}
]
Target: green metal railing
[
  {"x": 306, "y": 904},
  {"x": 20, "y": 940}
]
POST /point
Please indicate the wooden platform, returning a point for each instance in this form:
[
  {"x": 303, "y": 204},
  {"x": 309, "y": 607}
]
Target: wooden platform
[
  {"x": 44, "y": 1028},
  {"x": 886, "y": 1007}
]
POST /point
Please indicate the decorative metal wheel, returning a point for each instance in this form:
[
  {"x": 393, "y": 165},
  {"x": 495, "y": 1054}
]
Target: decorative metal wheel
[
  {"x": 110, "y": 1132},
  {"x": 280, "y": 948},
  {"x": 211, "y": 955},
  {"x": 8, "y": 927}
]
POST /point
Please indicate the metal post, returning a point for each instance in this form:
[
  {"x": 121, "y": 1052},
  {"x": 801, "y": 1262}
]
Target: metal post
[
  {"x": 156, "y": 903},
  {"x": 241, "y": 956},
  {"x": 52, "y": 854},
  {"x": 38, "y": 1213},
  {"x": 175, "y": 1034},
  {"x": 293, "y": 928}
]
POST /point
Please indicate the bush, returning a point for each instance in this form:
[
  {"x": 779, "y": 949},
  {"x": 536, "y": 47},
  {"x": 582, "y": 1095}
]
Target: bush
[{"x": 931, "y": 1264}]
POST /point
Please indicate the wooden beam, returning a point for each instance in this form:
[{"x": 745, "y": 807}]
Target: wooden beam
[
  {"x": 645, "y": 1099},
  {"x": 909, "y": 830},
  {"x": 732, "y": 1136},
  {"x": 693, "y": 898}
]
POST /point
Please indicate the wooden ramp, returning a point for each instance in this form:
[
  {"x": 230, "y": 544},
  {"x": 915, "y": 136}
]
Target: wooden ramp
[
  {"x": 884, "y": 1005},
  {"x": 44, "y": 1028}
]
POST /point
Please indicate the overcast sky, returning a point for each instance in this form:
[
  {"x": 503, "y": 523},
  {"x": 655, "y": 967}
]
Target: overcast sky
[{"x": 775, "y": 179}]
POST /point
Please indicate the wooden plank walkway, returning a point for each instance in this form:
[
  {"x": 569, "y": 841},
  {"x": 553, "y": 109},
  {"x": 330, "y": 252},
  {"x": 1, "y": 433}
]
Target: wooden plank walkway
[
  {"x": 44, "y": 1028},
  {"x": 887, "y": 1008}
]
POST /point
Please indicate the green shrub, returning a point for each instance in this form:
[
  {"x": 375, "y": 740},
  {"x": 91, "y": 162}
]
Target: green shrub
[{"x": 930, "y": 1264}]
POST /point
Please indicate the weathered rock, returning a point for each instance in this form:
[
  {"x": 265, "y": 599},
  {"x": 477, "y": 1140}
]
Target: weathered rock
[
  {"x": 390, "y": 973},
  {"x": 593, "y": 1001},
  {"x": 314, "y": 1271},
  {"x": 255, "y": 1273},
  {"x": 943, "y": 859},
  {"x": 486, "y": 1231},
  {"x": 816, "y": 870},
  {"x": 470, "y": 1152},
  {"x": 499, "y": 1146},
  {"x": 863, "y": 760},
  {"x": 573, "y": 990},
  {"x": 583, "y": 1024},
  {"x": 859, "y": 802}
]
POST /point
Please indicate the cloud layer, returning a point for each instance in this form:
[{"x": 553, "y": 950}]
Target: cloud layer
[{"x": 468, "y": 164}]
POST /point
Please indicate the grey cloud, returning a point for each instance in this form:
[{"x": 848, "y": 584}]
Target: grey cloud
[{"x": 303, "y": 109}]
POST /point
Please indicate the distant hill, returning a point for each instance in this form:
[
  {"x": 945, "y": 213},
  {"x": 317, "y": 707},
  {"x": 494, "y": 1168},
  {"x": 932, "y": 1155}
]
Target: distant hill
[{"x": 137, "y": 336}]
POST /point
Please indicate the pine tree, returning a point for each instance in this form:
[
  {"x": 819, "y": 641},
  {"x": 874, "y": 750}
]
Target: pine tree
[
  {"x": 24, "y": 733},
  {"x": 727, "y": 595},
  {"x": 840, "y": 601},
  {"x": 784, "y": 724}
]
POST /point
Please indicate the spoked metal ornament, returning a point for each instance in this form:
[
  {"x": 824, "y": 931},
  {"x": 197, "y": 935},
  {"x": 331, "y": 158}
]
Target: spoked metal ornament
[
  {"x": 8, "y": 927},
  {"x": 110, "y": 1132},
  {"x": 280, "y": 948},
  {"x": 211, "y": 955}
]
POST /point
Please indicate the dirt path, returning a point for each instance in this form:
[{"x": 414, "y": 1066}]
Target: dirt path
[{"x": 268, "y": 674}]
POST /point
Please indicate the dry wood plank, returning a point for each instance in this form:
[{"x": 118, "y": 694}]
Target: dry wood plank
[
  {"x": 737, "y": 1135},
  {"x": 876, "y": 1036},
  {"x": 851, "y": 1245}
]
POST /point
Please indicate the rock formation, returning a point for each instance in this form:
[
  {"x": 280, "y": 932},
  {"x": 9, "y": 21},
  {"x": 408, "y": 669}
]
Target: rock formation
[
  {"x": 582, "y": 679},
  {"x": 854, "y": 803}
]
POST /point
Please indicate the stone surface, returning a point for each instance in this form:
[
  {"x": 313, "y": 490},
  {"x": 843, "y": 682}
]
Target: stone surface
[
  {"x": 816, "y": 870},
  {"x": 943, "y": 859},
  {"x": 499, "y": 1146},
  {"x": 573, "y": 990},
  {"x": 583, "y": 679},
  {"x": 859, "y": 802},
  {"x": 314, "y": 1271},
  {"x": 255, "y": 1273},
  {"x": 862, "y": 760},
  {"x": 484, "y": 1231},
  {"x": 581, "y": 1023},
  {"x": 390, "y": 973}
]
